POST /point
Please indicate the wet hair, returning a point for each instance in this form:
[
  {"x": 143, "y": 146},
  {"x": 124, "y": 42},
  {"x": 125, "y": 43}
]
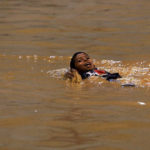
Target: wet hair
[{"x": 72, "y": 62}]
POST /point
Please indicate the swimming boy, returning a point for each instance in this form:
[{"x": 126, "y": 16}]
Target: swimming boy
[{"x": 82, "y": 64}]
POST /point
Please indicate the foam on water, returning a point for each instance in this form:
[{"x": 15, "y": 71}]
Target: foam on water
[
  {"x": 58, "y": 73},
  {"x": 137, "y": 73}
]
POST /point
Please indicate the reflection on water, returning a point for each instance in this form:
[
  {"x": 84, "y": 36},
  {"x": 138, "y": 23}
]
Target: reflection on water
[{"x": 39, "y": 110}]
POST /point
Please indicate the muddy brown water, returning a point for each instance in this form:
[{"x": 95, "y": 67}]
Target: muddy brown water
[{"x": 39, "y": 110}]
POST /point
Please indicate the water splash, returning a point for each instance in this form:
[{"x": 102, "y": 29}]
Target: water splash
[
  {"x": 58, "y": 73},
  {"x": 137, "y": 73}
]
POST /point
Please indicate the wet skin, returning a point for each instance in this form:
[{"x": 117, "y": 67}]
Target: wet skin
[{"x": 83, "y": 63}]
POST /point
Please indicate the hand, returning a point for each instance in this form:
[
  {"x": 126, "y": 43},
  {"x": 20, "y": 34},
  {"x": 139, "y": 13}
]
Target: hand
[{"x": 70, "y": 74}]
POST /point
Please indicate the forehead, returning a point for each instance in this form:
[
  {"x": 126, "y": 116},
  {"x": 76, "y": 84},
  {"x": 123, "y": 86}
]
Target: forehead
[{"x": 82, "y": 55}]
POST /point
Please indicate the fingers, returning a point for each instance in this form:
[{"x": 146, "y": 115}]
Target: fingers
[
  {"x": 69, "y": 75},
  {"x": 73, "y": 70}
]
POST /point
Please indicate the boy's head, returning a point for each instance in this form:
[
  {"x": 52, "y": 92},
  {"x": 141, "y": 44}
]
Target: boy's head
[{"x": 81, "y": 62}]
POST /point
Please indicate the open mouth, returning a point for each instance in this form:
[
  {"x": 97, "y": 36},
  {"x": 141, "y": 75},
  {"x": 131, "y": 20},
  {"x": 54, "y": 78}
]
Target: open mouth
[{"x": 88, "y": 64}]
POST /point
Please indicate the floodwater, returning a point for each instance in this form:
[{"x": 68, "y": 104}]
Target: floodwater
[{"x": 39, "y": 110}]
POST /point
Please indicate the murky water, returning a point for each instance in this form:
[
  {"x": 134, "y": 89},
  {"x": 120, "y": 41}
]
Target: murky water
[{"x": 39, "y": 110}]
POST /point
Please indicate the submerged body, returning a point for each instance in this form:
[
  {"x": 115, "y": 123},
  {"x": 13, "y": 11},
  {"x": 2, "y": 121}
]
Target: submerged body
[{"x": 83, "y": 65}]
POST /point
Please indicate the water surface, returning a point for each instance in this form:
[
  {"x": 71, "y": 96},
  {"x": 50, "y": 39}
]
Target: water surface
[{"x": 39, "y": 110}]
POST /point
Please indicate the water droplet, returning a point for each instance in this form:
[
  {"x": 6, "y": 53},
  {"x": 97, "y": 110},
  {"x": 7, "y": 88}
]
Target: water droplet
[
  {"x": 20, "y": 57},
  {"x": 141, "y": 103},
  {"x": 52, "y": 56},
  {"x": 35, "y": 110}
]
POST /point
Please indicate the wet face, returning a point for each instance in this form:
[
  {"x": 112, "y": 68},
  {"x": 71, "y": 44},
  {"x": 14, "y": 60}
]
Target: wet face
[{"x": 83, "y": 63}]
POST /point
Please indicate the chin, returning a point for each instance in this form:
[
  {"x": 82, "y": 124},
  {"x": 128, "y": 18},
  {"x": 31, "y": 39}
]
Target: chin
[{"x": 89, "y": 69}]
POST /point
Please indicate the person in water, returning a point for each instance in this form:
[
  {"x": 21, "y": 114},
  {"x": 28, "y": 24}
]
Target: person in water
[{"x": 83, "y": 65}]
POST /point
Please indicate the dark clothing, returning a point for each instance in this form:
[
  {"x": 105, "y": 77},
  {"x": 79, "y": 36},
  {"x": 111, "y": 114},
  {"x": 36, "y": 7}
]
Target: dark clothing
[{"x": 102, "y": 73}]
